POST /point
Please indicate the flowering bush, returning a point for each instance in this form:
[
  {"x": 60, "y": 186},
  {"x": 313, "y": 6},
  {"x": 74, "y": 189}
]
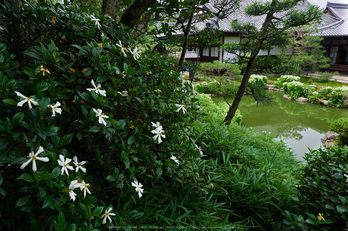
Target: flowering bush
[
  {"x": 322, "y": 192},
  {"x": 77, "y": 145},
  {"x": 297, "y": 89},
  {"x": 286, "y": 79},
  {"x": 259, "y": 80}
]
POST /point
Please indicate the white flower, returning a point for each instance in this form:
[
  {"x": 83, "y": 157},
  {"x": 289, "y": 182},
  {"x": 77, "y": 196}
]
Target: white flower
[
  {"x": 157, "y": 125},
  {"x": 175, "y": 159},
  {"x": 102, "y": 34},
  {"x": 33, "y": 157},
  {"x": 28, "y": 100},
  {"x": 96, "y": 20},
  {"x": 138, "y": 188},
  {"x": 79, "y": 165},
  {"x": 84, "y": 187},
  {"x": 55, "y": 109},
  {"x": 65, "y": 164},
  {"x": 123, "y": 49},
  {"x": 123, "y": 93},
  {"x": 135, "y": 53},
  {"x": 199, "y": 149},
  {"x": 97, "y": 89},
  {"x": 72, "y": 194},
  {"x": 107, "y": 214},
  {"x": 181, "y": 107},
  {"x": 73, "y": 184},
  {"x": 158, "y": 134},
  {"x": 346, "y": 176},
  {"x": 99, "y": 113}
]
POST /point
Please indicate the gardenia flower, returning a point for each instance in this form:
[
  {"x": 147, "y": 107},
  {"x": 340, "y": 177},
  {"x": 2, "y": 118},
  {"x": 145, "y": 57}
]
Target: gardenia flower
[
  {"x": 99, "y": 113},
  {"x": 73, "y": 184},
  {"x": 181, "y": 107},
  {"x": 84, "y": 187},
  {"x": 123, "y": 49},
  {"x": 44, "y": 70},
  {"x": 33, "y": 157},
  {"x": 158, "y": 134},
  {"x": 157, "y": 125},
  {"x": 135, "y": 53},
  {"x": 55, "y": 109},
  {"x": 138, "y": 188},
  {"x": 79, "y": 165},
  {"x": 320, "y": 217},
  {"x": 97, "y": 89},
  {"x": 199, "y": 149},
  {"x": 175, "y": 159},
  {"x": 64, "y": 164},
  {"x": 96, "y": 20},
  {"x": 107, "y": 215},
  {"x": 123, "y": 93},
  {"x": 28, "y": 100},
  {"x": 346, "y": 176}
]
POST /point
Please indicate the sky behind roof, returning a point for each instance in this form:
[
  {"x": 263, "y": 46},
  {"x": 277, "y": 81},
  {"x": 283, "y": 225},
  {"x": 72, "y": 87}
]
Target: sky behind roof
[{"x": 322, "y": 3}]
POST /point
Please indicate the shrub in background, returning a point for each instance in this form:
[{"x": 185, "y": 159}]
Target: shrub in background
[
  {"x": 341, "y": 126},
  {"x": 297, "y": 89},
  {"x": 286, "y": 79}
]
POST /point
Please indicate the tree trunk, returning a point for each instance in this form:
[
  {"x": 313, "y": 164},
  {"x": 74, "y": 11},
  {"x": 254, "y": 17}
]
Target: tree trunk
[
  {"x": 143, "y": 23},
  {"x": 248, "y": 71},
  {"x": 111, "y": 7},
  {"x": 186, "y": 36},
  {"x": 132, "y": 15}
]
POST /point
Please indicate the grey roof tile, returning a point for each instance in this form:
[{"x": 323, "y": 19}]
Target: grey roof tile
[{"x": 336, "y": 25}]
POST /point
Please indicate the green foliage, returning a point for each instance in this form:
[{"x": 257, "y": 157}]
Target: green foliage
[
  {"x": 322, "y": 192},
  {"x": 335, "y": 96},
  {"x": 325, "y": 77},
  {"x": 257, "y": 85},
  {"x": 307, "y": 53},
  {"x": 297, "y": 89},
  {"x": 286, "y": 79},
  {"x": 69, "y": 62},
  {"x": 217, "y": 68},
  {"x": 341, "y": 126},
  {"x": 227, "y": 89}
]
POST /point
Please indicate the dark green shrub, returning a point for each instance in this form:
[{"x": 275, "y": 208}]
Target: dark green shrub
[
  {"x": 341, "y": 126},
  {"x": 323, "y": 192}
]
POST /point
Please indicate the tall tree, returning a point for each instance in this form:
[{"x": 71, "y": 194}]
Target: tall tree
[
  {"x": 279, "y": 16},
  {"x": 303, "y": 52}
]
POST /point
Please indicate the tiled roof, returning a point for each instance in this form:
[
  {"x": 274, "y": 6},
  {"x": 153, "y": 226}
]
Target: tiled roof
[
  {"x": 336, "y": 25},
  {"x": 240, "y": 16}
]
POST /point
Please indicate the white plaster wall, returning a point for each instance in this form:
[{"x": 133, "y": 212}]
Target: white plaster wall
[{"x": 230, "y": 39}]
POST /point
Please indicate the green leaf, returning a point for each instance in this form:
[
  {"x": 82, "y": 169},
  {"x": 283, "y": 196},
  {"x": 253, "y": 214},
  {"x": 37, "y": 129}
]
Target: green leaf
[
  {"x": 101, "y": 79},
  {"x": 96, "y": 212},
  {"x": 94, "y": 129},
  {"x": 342, "y": 199},
  {"x": 42, "y": 192},
  {"x": 121, "y": 124},
  {"x": 130, "y": 71},
  {"x": 110, "y": 178},
  {"x": 133, "y": 215},
  {"x": 22, "y": 201},
  {"x": 91, "y": 33},
  {"x": 32, "y": 54},
  {"x": 1, "y": 179},
  {"x": 88, "y": 71},
  {"x": 3, "y": 143},
  {"x": 86, "y": 96},
  {"x": 159, "y": 172},
  {"x": 310, "y": 221},
  {"x": 55, "y": 140},
  {"x": 341, "y": 208},
  {"x": 10, "y": 101},
  {"x": 2, "y": 191},
  {"x": 17, "y": 118},
  {"x": 61, "y": 218},
  {"x": 26, "y": 177},
  {"x": 66, "y": 139},
  {"x": 131, "y": 139},
  {"x": 48, "y": 201},
  {"x": 2, "y": 47}
]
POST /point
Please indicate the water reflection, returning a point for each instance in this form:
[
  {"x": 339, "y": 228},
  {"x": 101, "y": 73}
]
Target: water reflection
[{"x": 301, "y": 125}]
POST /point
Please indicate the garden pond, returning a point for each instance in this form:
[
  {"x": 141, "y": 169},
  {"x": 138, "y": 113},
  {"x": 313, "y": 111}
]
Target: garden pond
[{"x": 300, "y": 124}]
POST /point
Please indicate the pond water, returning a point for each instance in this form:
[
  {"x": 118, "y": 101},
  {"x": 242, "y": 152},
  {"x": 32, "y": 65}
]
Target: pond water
[{"x": 301, "y": 125}]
